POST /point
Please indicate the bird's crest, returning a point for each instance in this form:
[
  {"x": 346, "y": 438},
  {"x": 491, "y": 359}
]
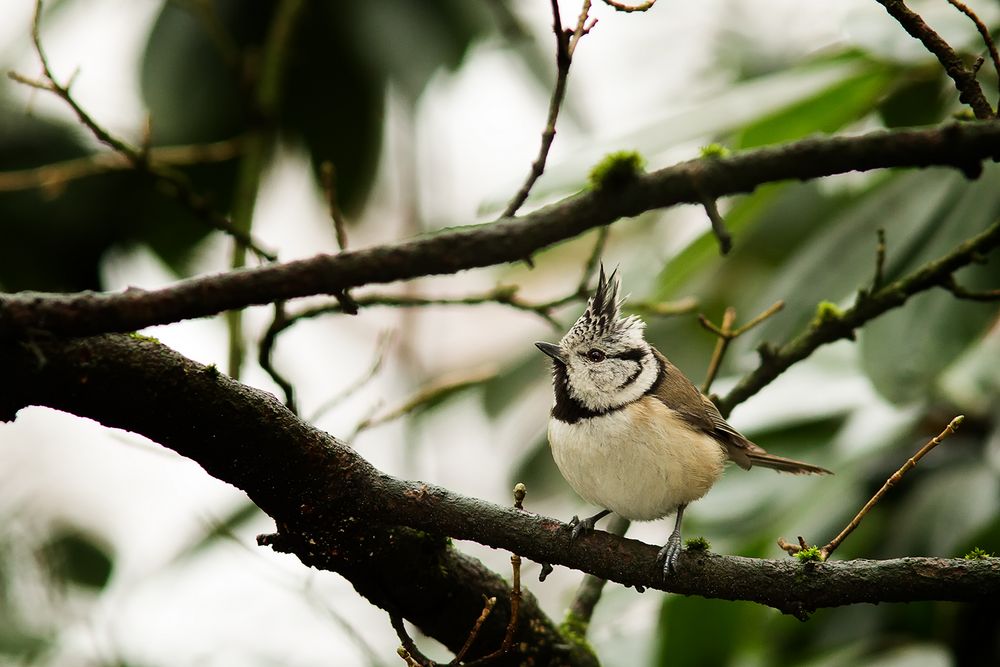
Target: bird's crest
[{"x": 602, "y": 318}]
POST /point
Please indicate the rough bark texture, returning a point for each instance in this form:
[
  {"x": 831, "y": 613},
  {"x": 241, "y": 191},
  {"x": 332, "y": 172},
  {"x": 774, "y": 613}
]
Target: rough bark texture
[{"x": 388, "y": 536}]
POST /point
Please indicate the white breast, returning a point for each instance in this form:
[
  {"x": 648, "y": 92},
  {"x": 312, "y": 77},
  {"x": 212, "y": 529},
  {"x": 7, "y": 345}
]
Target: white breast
[{"x": 641, "y": 462}]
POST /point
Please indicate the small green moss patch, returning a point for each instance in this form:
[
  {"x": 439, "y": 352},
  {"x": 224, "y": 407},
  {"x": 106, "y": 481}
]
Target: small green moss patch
[
  {"x": 697, "y": 544},
  {"x": 978, "y": 554},
  {"x": 809, "y": 554},
  {"x": 616, "y": 170},
  {"x": 714, "y": 151}
]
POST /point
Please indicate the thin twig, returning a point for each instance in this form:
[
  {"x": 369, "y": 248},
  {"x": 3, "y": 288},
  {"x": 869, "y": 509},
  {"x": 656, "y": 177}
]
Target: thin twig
[
  {"x": 969, "y": 89},
  {"x": 382, "y": 344},
  {"x": 329, "y": 176},
  {"x": 408, "y": 651},
  {"x": 681, "y": 306},
  {"x": 505, "y": 295},
  {"x": 520, "y": 491},
  {"x": 770, "y": 311},
  {"x": 827, "y": 550},
  {"x": 718, "y": 225},
  {"x": 265, "y": 360},
  {"x": 723, "y": 337},
  {"x": 565, "y": 45},
  {"x": 434, "y": 391},
  {"x": 52, "y": 176},
  {"x": 726, "y": 334},
  {"x": 984, "y": 32},
  {"x": 488, "y": 605},
  {"x": 960, "y": 292}
]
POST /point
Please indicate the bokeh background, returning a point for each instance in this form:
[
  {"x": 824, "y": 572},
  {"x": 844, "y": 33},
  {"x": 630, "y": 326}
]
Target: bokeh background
[{"x": 114, "y": 551}]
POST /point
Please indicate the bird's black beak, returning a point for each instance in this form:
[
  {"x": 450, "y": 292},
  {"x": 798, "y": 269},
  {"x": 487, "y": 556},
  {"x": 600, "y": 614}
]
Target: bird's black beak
[{"x": 553, "y": 351}]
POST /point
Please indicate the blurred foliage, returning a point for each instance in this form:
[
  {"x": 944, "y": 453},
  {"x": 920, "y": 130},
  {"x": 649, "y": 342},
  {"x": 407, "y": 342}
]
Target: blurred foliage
[
  {"x": 198, "y": 78},
  {"x": 803, "y": 243}
]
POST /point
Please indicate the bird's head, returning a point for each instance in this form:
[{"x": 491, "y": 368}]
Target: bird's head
[{"x": 603, "y": 361}]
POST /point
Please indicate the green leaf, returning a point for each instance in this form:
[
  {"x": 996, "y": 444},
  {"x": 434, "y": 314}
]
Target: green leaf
[
  {"x": 829, "y": 110},
  {"x": 920, "y": 99},
  {"x": 189, "y": 75}
]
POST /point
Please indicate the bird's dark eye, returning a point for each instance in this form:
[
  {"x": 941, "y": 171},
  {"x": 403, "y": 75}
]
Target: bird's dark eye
[{"x": 595, "y": 355}]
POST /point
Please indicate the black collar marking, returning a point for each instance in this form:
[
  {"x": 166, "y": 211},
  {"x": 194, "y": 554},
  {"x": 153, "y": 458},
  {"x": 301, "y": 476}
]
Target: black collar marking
[{"x": 569, "y": 410}]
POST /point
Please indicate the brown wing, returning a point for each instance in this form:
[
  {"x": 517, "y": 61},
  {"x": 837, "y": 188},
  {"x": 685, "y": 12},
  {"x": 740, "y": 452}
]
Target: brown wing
[{"x": 675, "y": 391}]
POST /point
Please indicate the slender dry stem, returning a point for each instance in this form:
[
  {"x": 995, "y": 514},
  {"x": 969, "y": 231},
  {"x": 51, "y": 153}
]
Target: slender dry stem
[
  {"x": 894, "y": 478},
  {"x": 726, "y": 334}
]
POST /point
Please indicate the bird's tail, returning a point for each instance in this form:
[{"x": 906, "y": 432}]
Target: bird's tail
[{"x": 785, "y": 465}]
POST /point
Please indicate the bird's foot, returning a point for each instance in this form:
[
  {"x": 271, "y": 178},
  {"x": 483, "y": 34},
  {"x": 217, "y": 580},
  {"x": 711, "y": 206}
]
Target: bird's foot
[
  {"x": 666, "y": 560},
  {"x": 579, "y": 525}
]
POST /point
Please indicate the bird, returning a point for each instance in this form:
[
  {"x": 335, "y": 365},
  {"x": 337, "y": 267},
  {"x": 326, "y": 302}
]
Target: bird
[{"x": 629, "y": 432}]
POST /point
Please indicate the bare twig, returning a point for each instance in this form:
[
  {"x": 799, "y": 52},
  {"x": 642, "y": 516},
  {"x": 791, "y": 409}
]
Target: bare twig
[
  {"x": 718, "y": 225},
  {"x": 826, "y": 551},
  {"x": 135, "y": 157},
  {"x": 723, "y": 336},
  {"x": 960, "y": 292},
  {"x": 488, "y": 605},
  {"x": 329, "y": 176},
  {"x": 984, "y": 32},
  {"x": 382, "y": 344},
  {"x": 566, "y": 42},
  {"x": 520, "y": 491},
  {"x": 434, "y": 391},
  {"x": 53, "y": 176},
  {"x": 265, "y": 352},
  {"x": 408, "y": 651},
  {"x": 969, "y": 89},
  {"x": 726, "y": 334},
  {"x": 681, "y": 306}
]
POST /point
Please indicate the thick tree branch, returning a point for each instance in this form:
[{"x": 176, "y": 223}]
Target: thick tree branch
[
  {"x": 336, "y": 512},
  {"x": 961, "y": 145}
]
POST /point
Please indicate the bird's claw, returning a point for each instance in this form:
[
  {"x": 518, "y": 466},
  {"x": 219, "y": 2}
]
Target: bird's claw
[
  {"x": 666, "y": 560},
  {"x": 579, "y": 525}
]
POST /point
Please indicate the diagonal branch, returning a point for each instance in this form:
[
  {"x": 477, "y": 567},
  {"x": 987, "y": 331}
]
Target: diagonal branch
[
  {"x": 963, "y": 144},
  {"x": 830, "y": 325},
  {"x": 969, "y": 89}
]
